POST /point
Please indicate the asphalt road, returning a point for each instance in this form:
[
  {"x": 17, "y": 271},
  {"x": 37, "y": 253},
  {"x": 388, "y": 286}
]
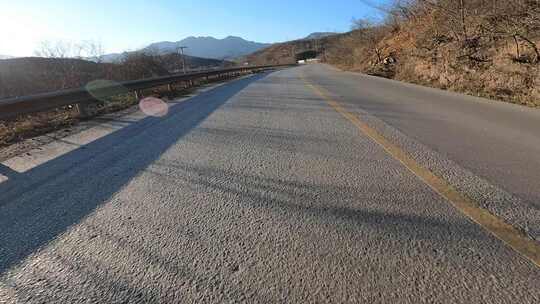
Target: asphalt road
[
  {"x": 496, "y": 141},
  {"x": 258, "y": 191}
]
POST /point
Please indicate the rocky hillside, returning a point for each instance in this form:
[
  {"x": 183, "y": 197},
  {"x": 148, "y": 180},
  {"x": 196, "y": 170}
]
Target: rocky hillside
[
  {"x": 475, "y": 48},
  {"x": 284, "y": 53},
  {"x": 319, "y": 35},
  {"x": 478, "y": 49}
]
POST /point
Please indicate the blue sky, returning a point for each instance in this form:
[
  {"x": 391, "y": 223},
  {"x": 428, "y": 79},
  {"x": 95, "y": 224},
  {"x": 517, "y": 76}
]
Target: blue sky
[{"x": 130, "y": 24}]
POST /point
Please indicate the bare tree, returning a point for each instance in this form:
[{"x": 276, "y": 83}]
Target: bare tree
[
  {"x": 63, "y": 67},
  {"x": 61, "y": 72},
  {"x": 370, "y": 34},
  {"x": 470, "y": 21},
  {"x": 92, "y": 49},
  {"x": 142, "y": 65},
  {"x": 518, "y": 20},
  {"x": 57, "y": 49}
]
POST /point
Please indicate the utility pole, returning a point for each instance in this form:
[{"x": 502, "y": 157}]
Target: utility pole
[{"x": 181, "y": 49}]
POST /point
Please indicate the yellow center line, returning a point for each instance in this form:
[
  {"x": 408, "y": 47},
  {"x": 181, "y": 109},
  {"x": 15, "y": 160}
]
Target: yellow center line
[{"x": 496, "y": 226}]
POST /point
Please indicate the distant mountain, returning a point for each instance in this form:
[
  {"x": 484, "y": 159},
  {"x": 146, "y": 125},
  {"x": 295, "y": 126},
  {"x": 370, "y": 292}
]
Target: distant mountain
[
  {"x": 198, "y": 47},
  {"x": 6, "y": 57},
  {"x": 209, "y": 47},
  {"x": 319, "y": 35},
  {"x": 110, "y": 58},
  {"x": 192, "y": 62}
]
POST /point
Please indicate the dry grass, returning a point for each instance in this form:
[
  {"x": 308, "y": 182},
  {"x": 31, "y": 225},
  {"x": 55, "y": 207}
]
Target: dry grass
[
  {"x": 29, "y": 126},
  {"x": 21, "y": 128},
  {"x": 499, "y": 78},
  {"x": 488, "y": 68}
]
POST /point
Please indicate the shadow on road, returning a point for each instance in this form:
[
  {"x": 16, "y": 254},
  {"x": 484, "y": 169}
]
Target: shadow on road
[
  {"x": 42, "y": 203},
  {"x": 339, "y": 206}
]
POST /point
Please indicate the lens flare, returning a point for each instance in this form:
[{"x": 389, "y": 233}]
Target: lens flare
[
  {"x": 102, "y": 88},
  {"x": 153, "y": 106}
]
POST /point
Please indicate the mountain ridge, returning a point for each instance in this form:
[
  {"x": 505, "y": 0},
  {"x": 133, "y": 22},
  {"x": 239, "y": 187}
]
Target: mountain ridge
[
  {"x": 208, "y": 47},
  {"x": 319, "y": 35}
]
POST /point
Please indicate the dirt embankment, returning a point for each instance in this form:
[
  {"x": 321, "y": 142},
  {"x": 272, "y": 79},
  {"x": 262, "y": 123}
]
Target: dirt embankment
[{"x": 482, "y": 50}]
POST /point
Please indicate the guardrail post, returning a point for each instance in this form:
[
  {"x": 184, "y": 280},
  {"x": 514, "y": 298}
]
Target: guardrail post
[{"x": 82, "y": 109}]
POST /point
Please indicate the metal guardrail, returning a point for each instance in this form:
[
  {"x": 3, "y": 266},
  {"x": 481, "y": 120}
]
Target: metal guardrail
[{"x": 13, "y": 107}]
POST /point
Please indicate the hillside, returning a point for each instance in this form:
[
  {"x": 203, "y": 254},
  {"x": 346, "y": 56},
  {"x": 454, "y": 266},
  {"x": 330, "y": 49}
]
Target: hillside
[
  {"x": 490, "y": 51},
  {"x": 24, "y": 76},
  {"x": 319, "y": 35},
  {"x": 284, "y": 53}
]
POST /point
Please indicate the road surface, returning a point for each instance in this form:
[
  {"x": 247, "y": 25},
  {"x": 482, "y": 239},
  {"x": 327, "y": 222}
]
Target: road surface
[{"x": 262, "y": 191}]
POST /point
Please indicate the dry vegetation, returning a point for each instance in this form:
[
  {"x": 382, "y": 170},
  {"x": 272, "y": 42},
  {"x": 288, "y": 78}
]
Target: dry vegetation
[
  {"x": 29, "y": 126},
  {"x": 480, "y": 47},
  {"x": 57, "y": 69},
  {"x": 26, "y": 76},
  {"x": 285, "y": 53}
]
